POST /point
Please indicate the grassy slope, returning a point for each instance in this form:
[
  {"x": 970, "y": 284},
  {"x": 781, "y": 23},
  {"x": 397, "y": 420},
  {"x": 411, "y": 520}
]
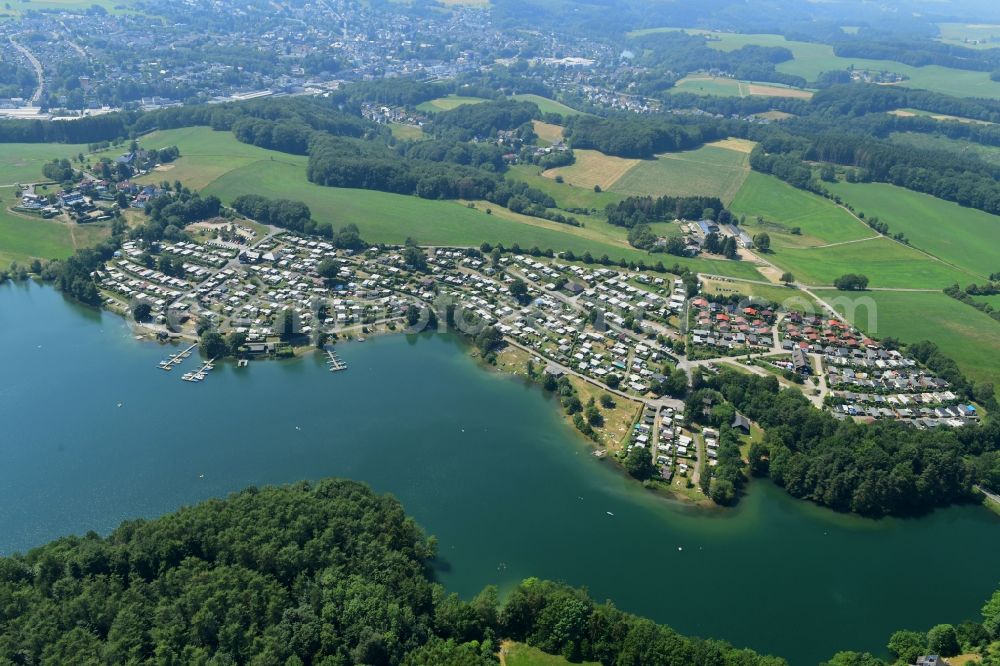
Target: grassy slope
[
  {"x": 391, "y": 218},
  {"x": 519, "y": 654},
  {"x": 709, "y": 170},
  {"x": 772, "y": 293},
  {"x": 963, "y": 333},
  {"x": 989, "y": 154},
  {"x": 811, "y": 59},
  {"x": 565, "y": 194},
  {"x": 22, "y": 162},
  {"x": 592, "y": 168},
  {"x": 965, "y": 237},
  {"x": 447, "y": 103},
  {"x": 779, "y": 203},
  {"x": 546, "y": 105},
  {"x": 23, "y": 239}
]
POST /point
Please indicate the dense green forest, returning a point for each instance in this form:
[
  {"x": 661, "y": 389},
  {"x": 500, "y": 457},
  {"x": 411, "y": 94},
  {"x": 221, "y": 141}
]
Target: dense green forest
[{"x": 327, "y": 573}]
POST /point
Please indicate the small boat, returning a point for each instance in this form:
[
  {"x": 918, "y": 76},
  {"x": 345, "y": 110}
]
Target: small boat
[{"x": 609, "y": 513}]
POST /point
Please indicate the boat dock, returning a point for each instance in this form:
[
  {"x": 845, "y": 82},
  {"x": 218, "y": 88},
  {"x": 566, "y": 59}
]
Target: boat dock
[
  {"x": 176, "y": 359},
  {"x": 334, "y": 361},
  {"x": 200, "y": 374}
]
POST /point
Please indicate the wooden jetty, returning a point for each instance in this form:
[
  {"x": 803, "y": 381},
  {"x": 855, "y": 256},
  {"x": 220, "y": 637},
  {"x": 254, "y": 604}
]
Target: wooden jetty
[
  {"x": 334, "y": 361},
  {"x": 199, "y": 374},
  {"x": 176, "y": 359}
]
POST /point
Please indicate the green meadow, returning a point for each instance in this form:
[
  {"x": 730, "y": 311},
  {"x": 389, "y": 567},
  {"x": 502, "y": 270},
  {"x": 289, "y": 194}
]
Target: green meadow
[
  {"x": 784, "y": 207},
  {"x": 709, "y": 170},
  {"x": 520, "y": 654},
  {"x": 546, "y": 105},
  {"x": 392, "y": 218},
  {"x": 970, "y": 36},
  {"x": 22, "y": 162},
  {"x": 989, "y": 154},
  {"x": 810, "y": 59},
  {"x": 885, "y": 262},
  {"x": 565, "y": 194},
  {"x": 447, "y": 103},
  {"x": 968, "y": 336},
  {"x": 965, "y": 237}
]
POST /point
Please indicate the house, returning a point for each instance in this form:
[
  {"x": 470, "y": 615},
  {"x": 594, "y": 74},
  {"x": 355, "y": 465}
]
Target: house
[
  {"x": 800, "y": 361},
  {"x": 931, "y": 660},
  {"x": 741, "y": 423}
]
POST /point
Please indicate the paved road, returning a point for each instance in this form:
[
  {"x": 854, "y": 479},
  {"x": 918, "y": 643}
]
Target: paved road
[{"x": 39, "y": 72}]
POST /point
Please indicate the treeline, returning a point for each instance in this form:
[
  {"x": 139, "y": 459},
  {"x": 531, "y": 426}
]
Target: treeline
[
  {"x": 886, "y": 468},
  {"x": 485, "y": 119},
  {"x": 919, "y": 53},
  {"x": 644, "y": 210},
  {"x": 858, "y": 100},
  {"x": 638, "y": 136},
  {"x": 296, "y": 216},
  {"x": 325, "y": 573},
  {"x": 966, "y": 296}
]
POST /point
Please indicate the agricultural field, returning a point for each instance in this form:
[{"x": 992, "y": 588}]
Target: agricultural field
[
  {"x": 909, "y": 113},
  {"x": 22, "y": 162},
  {"x": 919, "y": 140},
  {"x": 971, "y": 36},
  {"x": 21, "y": 6},
  {"x": 711, "y": 170},
  {"x": 784, "y": 207},
  {"x": 565, "y": 194},
  {"x": 593, "y": 168},
  {"x": 964, "y": 237},
  {"x": 885, "y": 262},
  {"x": 968, "y": 336},
  {"x": 546, "y": 105},
  {"x": 391, "y": 218},
  {"x": 26, "y": 237},
  {"x": 447, "y": 103},
  {"x": 810, "y": 59},
  {"x": 726, "y": 87}
]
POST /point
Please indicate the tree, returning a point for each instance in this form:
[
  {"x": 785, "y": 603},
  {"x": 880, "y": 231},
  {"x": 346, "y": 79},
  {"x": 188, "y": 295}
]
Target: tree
[
  {"x": 851, "y": 282},
  {"x": 141, "y": 311},
  {"x": 787, "y": 278},
  {"x": 908, "y": 645},
  {"x": 639, "y": 463},
  {"x": 213, "y": 345},
  {"x": 991, "y": 615},
  {"x": 488, "y": 339},
  {"x": 519, "y": 290},
  {"x": 943, "y": 640},
  {"x": 328, "y": 269},
  {"x": 762, "y": 241},
  {"x": 722, "y": 491},
  {"x": 607, "y": 401}
]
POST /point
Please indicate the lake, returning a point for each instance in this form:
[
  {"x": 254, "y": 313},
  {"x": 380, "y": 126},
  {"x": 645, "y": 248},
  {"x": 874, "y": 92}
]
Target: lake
[{"x": 481, "y": 460}]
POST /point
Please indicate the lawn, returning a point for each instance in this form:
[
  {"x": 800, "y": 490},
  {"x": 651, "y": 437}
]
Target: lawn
[
  {"x": 965, "y": 237},
  {"x": 810, "y": 59},
  {"x": 709, "y": 170},
  {"x": 391, "y": 218},
  {"x": 546, "y": 105},
  {"x": 447, "y": 103},
  {"x": 968, "y": 336},
  {"x": 547, "y": 132},
  {"x": 22, "y": 162},
  {"x": 593, "y": 168},
  {"x": 784, "y": 207},
  {"x": 519, "y": 654},
  {"x": 885, "y": 262}
]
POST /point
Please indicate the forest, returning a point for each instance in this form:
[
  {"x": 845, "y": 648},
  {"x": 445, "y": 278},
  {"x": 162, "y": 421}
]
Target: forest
[{"x": 314, "y": 573}]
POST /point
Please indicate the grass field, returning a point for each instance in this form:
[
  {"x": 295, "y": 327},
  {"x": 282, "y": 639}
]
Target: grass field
[
  {"x": 885, "y": 262},
  {"x": 519, "y": 654},
  {"x": 904, "y": 113},
  {"x": 765, "y": 292},
  {"x": 406, "y": 132},
  {"x": 547, "y": 132},
  {"x": 546, "y": 105},
  {"x": 965, "y": 237},
  {"x": 963, "y": 333},
  {"x": 593, "y": 168},
  {"x": 22, "y": 162},
  {"x": 709, "y": 170},
  {"x": 726, "y": 87},
  {"x": 810, "y": 59},
  {"x": 25, "y": 237},
  {"x": 391, "y": 218},
  {"x": 447, "y": 103},
  {"x": 565, "y": 194},
  {"x": 971, "y": 36},
  {"x": 784, "y": 207}
]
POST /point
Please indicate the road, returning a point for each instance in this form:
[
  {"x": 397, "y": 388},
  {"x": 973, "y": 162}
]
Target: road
[
  {"x": 993, "y": 496},
  {"x": 39, "y": 72}
]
